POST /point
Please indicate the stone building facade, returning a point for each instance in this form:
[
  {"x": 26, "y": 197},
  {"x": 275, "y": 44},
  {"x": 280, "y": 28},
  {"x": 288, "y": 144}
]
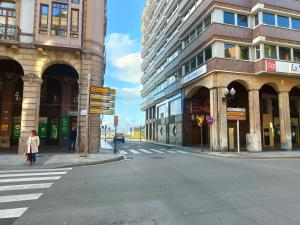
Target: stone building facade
[
  {"x": 194, "y": 50},
  {"x": 48, "y": 51}
]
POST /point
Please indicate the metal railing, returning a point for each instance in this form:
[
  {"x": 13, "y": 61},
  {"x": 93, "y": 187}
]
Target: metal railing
[{"x": 10, "y": 32}]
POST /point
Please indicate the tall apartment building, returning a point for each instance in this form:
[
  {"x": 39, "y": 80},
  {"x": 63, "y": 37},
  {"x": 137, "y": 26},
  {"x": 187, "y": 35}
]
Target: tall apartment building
[
  {"x": 48, "y": 51},
  {"x": 195, "y": 49}
]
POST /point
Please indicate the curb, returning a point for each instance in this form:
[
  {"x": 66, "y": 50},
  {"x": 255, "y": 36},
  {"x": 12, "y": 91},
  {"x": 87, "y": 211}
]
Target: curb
[
  {"x": 120, "y": 158},
  {"x": 246, "y": 157}
]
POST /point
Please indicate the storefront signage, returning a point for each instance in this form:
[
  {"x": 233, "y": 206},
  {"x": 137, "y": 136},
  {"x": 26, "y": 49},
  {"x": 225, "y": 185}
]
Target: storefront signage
[
  {"x": 4, "y": 127},
  {"x": 273, "y": 66},
  {"x": 102, "y": 104},
  {"x": 102, "y": 97},
  {"x": 193, "y": 75},
  {"x": 102, "y": 111},
  {"x": 236, "y": 114},
  {"x": 65, "y": 127},
  {"x": 42, "y": 130},
  {"x": 16, "y": 131}
]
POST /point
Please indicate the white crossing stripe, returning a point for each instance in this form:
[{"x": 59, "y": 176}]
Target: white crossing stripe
[
  {"x": 17, "y": 198},
  {"x": 25, "y": 187},
  {"x": 123, "y": 152},
  {"x": 181, "y": 152},
  {"x": 12, "y": 213},
  {"x": 13, "y": 180},
  {"x": 157, "y": 151},
  {"x": 32, "y": 174},
  {"x": 35, "y": 170},
  {"x": 171, "y": 152},
  {"x": 145, "y": 151},
  {"x": 134, "y": 151}
]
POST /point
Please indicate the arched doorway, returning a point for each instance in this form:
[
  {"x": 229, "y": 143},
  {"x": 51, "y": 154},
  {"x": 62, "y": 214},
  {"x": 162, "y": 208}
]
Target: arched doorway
[
  {"x": 197, "y": 105},
  {"x": 295, "y": 116},
  {"x": 59, "y": 104},
  {"x": 239, "y": 100},
  {"x": 270, "y": 121},
  {"x": 11, "y": 91}
]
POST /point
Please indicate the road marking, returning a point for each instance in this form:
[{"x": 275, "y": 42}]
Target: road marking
[
  {"x": 134, "y": 151},
  {"x": 33, "y": 174},
  {"x": 123, "y": 152},
  {"x": 18, "y": 198},
  {"x": 157, "y": 151},
  {"x": 13, "y": 180},
  {"x": 145, "y": 151},
  {"x": 25, "y": 187},
  {"x": 171, "y": 152},
  {"x": 35, "y": 170},
  {"x": 181, "y": 152},
  {"x": 12, "y": 213}
]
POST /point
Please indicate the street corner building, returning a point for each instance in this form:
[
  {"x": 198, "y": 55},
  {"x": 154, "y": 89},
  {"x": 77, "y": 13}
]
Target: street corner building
[
  {"x": 196, "y": 51},
  {"x": 48, "y": 52}
]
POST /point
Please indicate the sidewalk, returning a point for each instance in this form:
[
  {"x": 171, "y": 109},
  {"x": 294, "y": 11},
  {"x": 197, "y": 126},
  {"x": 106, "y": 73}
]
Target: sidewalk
[{"x": 295, "y": 154}]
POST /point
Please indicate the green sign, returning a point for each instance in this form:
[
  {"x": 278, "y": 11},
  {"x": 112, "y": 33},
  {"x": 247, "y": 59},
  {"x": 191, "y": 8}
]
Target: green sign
[
  {"x": 43, "y": 130},
  {"x": 65, "y": 127},
  {"x": 53, "y": 132},
  {"x": 16, "y": 131}
]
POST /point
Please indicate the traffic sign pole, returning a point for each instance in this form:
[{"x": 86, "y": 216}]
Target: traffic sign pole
[
  {"x": 202, "y": 137},
  {"x": 238, "y": 135}
]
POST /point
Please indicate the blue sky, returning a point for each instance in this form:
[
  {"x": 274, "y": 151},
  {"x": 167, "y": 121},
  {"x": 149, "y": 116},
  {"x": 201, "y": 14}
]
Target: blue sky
[{"x": 123, "y": 45}]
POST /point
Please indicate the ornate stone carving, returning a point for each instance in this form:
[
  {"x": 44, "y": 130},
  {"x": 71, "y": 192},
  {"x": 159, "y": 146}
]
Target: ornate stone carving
[{"x": 32, "y": 78}]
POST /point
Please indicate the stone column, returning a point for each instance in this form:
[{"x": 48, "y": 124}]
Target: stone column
[
  {"x": 218, "y": 110},
  {"x": 254, "y": 138},
  {"x": 285, "y": 120},
  {"x": 30, "y": 108}
]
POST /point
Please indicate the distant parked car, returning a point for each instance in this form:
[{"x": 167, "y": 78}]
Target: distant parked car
[{"x": 119, "y": 138}]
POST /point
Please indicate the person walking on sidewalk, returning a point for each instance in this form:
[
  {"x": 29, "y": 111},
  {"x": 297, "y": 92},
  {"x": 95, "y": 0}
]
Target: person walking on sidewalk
[
  {"x": 73, "y": 137},
  {"x": 33, "y": 143}
]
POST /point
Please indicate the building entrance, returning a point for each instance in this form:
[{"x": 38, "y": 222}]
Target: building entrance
[{"x": 59, "y": 105}]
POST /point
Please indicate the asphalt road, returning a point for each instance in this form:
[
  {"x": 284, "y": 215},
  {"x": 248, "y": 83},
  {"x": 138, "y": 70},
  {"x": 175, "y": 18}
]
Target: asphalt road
[{"x": 169, "y": 189}]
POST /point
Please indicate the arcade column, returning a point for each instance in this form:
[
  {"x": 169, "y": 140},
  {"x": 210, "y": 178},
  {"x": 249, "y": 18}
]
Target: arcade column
[
  {"x": 30, "y": 108},
  {"x": 285, "y": 121}
]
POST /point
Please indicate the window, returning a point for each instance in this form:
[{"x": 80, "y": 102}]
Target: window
[
  {"x": 270, "y": 52},
  {"x": 208, "y": 53},
  {"x": 229, "y": 51},
  {"x": 200, "y": 59},
  {"x": 44, "y": 11},
  {"x": 297, "y": 55},
  {"x": 7, "y": 4},
  {"x": 283, "y": 21},
  {"x": 161, "y": 112},
  {"x": 256, "y": 20},
  {"x": 207, "y": 21},
  {"x": 76, "y": 1},
  {"x": 59, "y": 19},
  {"x": 229, "y": 18},
  {"x": 193, "y": 35},
  {"x": 74, "y": 23},
  {"x": 200, "y": 29},
  {"x": 284, "y": 53},
  {"x": 269, "y": 19},
  {"x": 244, "y": 52},
  {"x": 193, "y": 63},
  {"x": 258, "y": 54},
  {"x": 296, "y": 24},
  {"x": 7, "y": 15},
  {"x": 175, "y": 107},
  {"x": 186, "y": 68},
  {"x": 242, "y": 20}
]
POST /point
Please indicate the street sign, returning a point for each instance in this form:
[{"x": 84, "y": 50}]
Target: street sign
[
  {"x": 102, "y": 97},
  {"x": 102, "y": 90},
  {"x": 102, "y": 111},
  {"x": 210, "y": 121},
  {"x": 236, "y": 114},
  {"x": 116, "y": 121},
  {"x": 107, "y": 104}
]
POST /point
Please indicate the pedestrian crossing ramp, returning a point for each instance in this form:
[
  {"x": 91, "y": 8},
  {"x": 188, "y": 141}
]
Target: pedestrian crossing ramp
[
  {"x": 15, "y": 185},
  {"x": 150, "y": 151}
]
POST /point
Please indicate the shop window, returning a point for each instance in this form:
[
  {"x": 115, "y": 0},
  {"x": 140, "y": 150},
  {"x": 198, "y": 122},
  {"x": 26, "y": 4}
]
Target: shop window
[
  {"x": 283, "y": 21},
  {"x": 284, "y": 53},
  {"x": 229, "y": 51},
  {"x": 44, "y": 12},
  {"x": 270, "y": 52},
  {"x": 242, "y": 20},
  {"x": 229, "y": 18},
  {"x": 269, "y": 19},
  {"x": 296, "y": 55},
  {"x": 208, "y": 53},
  {"x": 244, "y": 52},
  {"x": 296, "y": 24},
  {"x": 59, "y": 19}
]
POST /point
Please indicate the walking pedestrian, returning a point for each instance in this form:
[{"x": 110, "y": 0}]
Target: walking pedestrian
[
  {"x": 33, "y": 143},
  {"x": 73, "y": 137}
]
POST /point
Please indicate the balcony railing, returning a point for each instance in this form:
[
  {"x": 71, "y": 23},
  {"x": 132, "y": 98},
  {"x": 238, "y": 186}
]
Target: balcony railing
[{"x": 9, "y": 32}]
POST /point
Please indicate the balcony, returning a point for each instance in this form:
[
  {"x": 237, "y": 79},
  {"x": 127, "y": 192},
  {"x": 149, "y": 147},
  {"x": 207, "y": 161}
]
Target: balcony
[{"x": 9, "y": 32}]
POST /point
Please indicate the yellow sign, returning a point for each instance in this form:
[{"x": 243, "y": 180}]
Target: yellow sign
[
  {"x": 102, "y": 104},
  {"x": 4, "y": 127},
  {"x": 102, "y": 97},
  {"x": 102, "y": 90},
  {"x": 102, "y": 111}
]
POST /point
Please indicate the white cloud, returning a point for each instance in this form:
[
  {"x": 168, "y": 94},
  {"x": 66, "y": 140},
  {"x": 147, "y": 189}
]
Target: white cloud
[{"x": 123, "y": 54}]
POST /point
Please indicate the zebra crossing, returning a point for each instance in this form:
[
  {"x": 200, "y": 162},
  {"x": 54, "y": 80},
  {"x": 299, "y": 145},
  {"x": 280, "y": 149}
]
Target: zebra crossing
[
  {"x": 150, "y": 151},
  {"x": 33, "y": 182}
]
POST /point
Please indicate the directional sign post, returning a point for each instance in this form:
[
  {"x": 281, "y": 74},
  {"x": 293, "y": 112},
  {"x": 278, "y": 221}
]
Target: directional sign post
[{"x": 102, "y": 100}]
